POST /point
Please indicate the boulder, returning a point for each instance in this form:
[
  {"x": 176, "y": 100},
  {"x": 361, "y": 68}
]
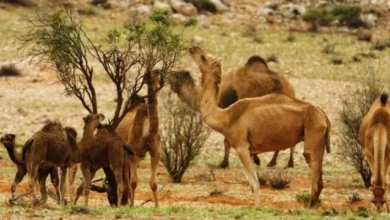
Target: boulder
[
  {"x": 220, "y": 6},
  {"x": 183, "y": 8},
  {"x": 291, "y": 10},
  {"x": 265, "y": 11},
  {"x": 143, "y": 9},
  {"x": 178, "y": 19},
  {"x": 196, "y": 40},
  {"x": 369, "y": 20},
  {"x": 162, "y": 5}
]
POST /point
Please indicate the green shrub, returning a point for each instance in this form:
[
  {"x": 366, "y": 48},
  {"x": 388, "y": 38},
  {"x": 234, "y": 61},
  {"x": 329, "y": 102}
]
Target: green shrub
[
  {"x": 348, "y": 14},
  {"x": 304, "y": 197},
  {"x": 318, "y": 17}
]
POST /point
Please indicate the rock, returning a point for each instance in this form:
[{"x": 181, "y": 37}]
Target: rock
[
  {"x": 178, "y": 19},
  {"x": 202, "y": 5},
  {"x": 196, "y": 39},
  {"x": 369, "y": 20},
  {"x": 363, "y": 35},
  {"x": 291, "y": 10},
  {"x": 221, "y": 7},
  {"x": 337, "y": 60},
  {"x": 162, "y": 5},
  {"x": 143, "y": 9},
  {"x": 265, "y": 11},
  {"x": 183, "y": 8}
]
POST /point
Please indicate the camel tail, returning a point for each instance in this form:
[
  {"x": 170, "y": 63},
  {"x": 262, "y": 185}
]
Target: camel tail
[
  {"x": 128, "y": 150},
  {"x": 26, "y": 147},
  {"x": 384, "y": 98},
  {"x": 380, "y": 137},
  {"x": 328, "y": 131}
]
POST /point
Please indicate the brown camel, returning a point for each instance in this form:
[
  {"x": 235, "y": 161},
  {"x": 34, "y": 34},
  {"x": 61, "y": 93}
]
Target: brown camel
[
  {"x": 268, "y": 123},
  {"x": 254, "y": 79},
  {"x": 15, "y": 154},
  {"x": 374, "y": 135},
  {"x": 107, "y": 149},
  {"x": 58, "y": 147},
  {"x": 140, "y": 129}
]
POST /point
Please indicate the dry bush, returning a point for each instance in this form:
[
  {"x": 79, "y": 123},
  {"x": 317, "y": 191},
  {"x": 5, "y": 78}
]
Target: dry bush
[
  {"x": 279, "y": 179},
  {"x": 304, "y": 197},
  {"x": 9, "y": 70},
  {"x": 354, "y": 197},
  {"x": 355, "y": 107},
  {"x": 183, "y": 136},
  {"x": 263, "y": 177}
]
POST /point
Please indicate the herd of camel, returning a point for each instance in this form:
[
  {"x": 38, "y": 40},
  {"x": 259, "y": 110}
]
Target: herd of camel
[{"x": 254, "y": 108}]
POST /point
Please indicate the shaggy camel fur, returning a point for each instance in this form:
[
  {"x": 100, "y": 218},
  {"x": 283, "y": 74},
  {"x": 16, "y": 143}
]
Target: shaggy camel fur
[
  {"x": 44, "y": 170},
  {"x": 58, "y": 147},
  {"x": 269, "y": 123},
  {"x": 140, "y": 129},
  {"x": 107, "y": 149},
  {"x": 51, "y": 144},
  {"x": 374, "y": 135},
  {"x": 254, "y": 79}
]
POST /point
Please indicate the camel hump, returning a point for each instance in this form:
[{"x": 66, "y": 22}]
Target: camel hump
[
  {"x": 26, "y": 147},
  {"x": 256, "y": 60},
  {"x": 384, "y": 98},
  {"x": 228, "y": 97},
  {"x": 50, "y": 126}
]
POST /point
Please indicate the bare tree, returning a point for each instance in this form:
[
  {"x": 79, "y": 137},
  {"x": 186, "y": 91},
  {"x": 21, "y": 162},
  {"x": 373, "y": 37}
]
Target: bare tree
[
  {"x": 355, "y": 107},
  {"x": 183, "y": 137},
  {"x": 127, "y": 55}
]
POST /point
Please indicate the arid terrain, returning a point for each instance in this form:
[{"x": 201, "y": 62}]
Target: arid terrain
[{"x": 30, "y": 100}]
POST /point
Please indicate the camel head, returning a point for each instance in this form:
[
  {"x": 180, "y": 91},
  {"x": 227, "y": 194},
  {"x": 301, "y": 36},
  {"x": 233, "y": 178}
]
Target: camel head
[
  {"x": 179, "y": 80},
  {"x": 206, "y": 62},
  {"x": 71, "y": 131},
  {"x": 8, "y": 140},
  {"x": 94, "y": 119}
]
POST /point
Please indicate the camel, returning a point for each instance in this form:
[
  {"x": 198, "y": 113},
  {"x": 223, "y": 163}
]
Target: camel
[
  {"x": 374, "y": 135},
  {"x": 263, "y": 124},
  {"x": 57, "y": 147},
  {"x": 44, "y": 169},
  {"x": 107, "y": 149},
  {"x": 254, "y": 79},
  {"x": 140, "y": 129}
]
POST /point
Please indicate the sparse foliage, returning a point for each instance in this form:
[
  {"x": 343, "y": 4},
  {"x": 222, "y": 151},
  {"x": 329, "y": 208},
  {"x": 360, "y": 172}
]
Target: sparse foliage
[
  {"x": 276, "y": 178},
  {"x": 126, "y": 54},
  {"x": 348, "y": 14},
  {"x": 318, "y": 17},
  {"x": 355, "y": 107},
  {"x": 183, "y": 137},
  {"x": 304, "y": 197},
  {"x": 354, "y": 197}
]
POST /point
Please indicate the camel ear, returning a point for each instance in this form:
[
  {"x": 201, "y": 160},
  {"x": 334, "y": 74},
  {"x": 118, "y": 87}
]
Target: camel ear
[
  {"x": 85, "y": 118},
  {"x": 12, "y": 136},
  {"x": 220, "y": 60}
]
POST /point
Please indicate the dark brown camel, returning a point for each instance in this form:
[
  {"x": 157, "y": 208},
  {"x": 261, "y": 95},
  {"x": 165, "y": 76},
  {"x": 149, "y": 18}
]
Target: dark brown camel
[{"x": 15, "y": 154}]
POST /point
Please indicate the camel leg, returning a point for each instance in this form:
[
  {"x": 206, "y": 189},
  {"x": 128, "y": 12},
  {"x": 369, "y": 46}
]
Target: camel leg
[
  {"x": 33, "y": 171},
  {"x": 56, "y": 182},
  {"x": 18, "y": 178},
  {"x": 72, "y": 176},
  {"x": 155, "y": 158},
  {"x": 291, "y": 160},
  {"x": 87, "y": 177},
  {"x": 272, "y": 163},
  {"x": 120, "y": 187},
  {"x": 314, "y": 157},
  {"x": 250, "y": 171},
  {"x": 225, "y": 162},
  {"x": 126, "y": 181},
  {"x": 79, "y": 191},
  {"x": 42, "y": 184},
  {"x": 133, "y": 178},
  {"x": 62, "y": 184}
]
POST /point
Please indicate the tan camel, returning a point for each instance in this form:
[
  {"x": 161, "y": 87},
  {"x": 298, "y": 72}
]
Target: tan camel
[
  {"x": 374, "y": 135},
  {"x": 15, "y": 154},
  {"x": 58, "y": 147},
  {"x": 268, "y": 123},
  {"x": 107, "y": 149},
  {"x": 254, "y": 79},
  {"x": 140, "y": 129}
]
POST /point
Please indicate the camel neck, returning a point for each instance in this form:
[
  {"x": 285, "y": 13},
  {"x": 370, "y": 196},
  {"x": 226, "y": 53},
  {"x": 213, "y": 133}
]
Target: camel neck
[
  {"x": 13, "y": 154},
  {"x": 212, "y": 115},
  {"x": 87, "y": 135}
]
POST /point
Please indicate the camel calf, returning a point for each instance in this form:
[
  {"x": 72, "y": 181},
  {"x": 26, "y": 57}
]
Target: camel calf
[
  {"x": 374, "y": 135},
  {"x": 43, "y": 171}
]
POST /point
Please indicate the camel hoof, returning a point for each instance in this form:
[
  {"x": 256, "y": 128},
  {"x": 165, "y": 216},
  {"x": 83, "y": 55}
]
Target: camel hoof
[
  {"x": 223, "y": 165},
  {"x": 35, "y": 202},
  {"x": 289, "y": 166},
  {"x": 271, "y": 164}
]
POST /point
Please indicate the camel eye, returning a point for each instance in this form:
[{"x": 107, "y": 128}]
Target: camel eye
[{"x": 203, "y": 58}]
